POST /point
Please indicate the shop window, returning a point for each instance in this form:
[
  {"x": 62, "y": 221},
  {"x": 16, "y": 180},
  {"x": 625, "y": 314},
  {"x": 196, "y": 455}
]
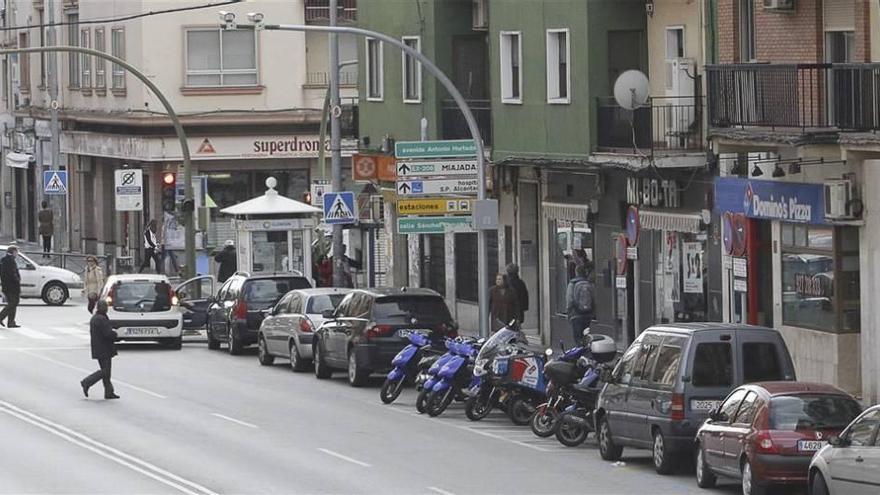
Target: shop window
[
  {"x": 680, "y": 277},
  {"x": 713, "y": 365},
  {"x": 217, "y": 57},
  {"x": 820, "y": 277},
  {"x": 466, "y": 283}
]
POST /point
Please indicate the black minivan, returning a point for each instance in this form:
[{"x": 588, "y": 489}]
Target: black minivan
[{"x": 669, "y": 379}]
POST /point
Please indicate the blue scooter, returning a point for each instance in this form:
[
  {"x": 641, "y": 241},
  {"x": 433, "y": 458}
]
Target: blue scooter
[
  {"x": 430, "y": 377},
  {"x": 455, "y": 377},
  {"x": 405, "y": 366}
]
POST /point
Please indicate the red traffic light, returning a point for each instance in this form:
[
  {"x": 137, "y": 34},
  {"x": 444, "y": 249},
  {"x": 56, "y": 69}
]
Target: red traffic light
[{"x": 169, "y": 178}]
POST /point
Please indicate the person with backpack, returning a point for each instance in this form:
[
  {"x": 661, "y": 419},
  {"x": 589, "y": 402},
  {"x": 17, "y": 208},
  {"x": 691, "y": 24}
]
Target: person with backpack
[{"x": 579, "y": 300}]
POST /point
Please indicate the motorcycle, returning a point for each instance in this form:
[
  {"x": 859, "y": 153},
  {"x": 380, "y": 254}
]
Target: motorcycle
[
  {"x": 561, "y": 373},
  {"x": 405, "y": 364},
  {"x": 454, "y": 378},
  {"x": 427, "y": 378}
]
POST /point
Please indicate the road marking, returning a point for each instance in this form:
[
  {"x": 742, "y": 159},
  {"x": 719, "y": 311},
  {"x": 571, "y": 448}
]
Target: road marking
[
  {"x": 75, "y": 332},
  {"x": 344, "y": 458},
  {"x": 227, "y": 418},
  {"x": 33, "y": 334},
  {"x": 439, "y": 490},
  {"x": 134, "y": 463},
  {"x": 70, "y": 366}
]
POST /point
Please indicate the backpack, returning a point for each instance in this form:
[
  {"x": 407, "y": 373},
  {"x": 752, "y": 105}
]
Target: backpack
[{"x": 583, "y": 297}]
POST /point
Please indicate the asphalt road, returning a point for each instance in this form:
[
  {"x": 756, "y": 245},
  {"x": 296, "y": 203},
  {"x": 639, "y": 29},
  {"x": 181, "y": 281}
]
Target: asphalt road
[{"x": 197, "y": 421}]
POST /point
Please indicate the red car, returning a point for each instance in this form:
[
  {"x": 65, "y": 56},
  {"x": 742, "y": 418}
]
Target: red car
[{"x": 766, "y": 433}]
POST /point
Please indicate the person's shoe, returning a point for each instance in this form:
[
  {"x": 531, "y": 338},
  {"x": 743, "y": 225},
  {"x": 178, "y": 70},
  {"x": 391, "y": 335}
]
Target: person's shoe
[
  {"x": 2, "y": 324},
  {"x": 85, "y": 389},
  {"x": 111, "y": 396},
  {"x": 13, "y": 325}
]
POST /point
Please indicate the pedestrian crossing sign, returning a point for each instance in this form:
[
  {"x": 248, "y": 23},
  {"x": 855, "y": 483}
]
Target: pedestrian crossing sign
[
  {"x": 339, "y": 208},
  {"x": 55, "y": 182}
]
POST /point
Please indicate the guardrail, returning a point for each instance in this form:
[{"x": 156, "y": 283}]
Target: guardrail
[
  {"x": 75, "y": 262},
  {"x": 664, "y": 123}
]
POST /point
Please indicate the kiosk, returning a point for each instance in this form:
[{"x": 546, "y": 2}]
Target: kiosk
[{"x": 274, "y": 233}]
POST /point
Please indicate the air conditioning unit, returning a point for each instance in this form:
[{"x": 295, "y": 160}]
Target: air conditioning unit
[
  {"x": 778, "y": 4},
  {"x": 838, "y": 199},
  {"x": 480, "y": 14}
]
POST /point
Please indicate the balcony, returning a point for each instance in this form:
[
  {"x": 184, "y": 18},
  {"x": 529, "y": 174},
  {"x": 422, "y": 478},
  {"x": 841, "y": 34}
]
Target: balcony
[
  {"x": 666, "y": 124},
  {"x": 805, "y": 97},
  {"x": 322, "y": 79},
  {"x": 455, "y": 126},
  {"x": 318, "y": 11}
]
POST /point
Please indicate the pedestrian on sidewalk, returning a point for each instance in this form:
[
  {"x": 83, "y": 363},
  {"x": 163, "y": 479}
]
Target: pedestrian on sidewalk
[
  {"x": 503, "y": 302},
  {"x": 519, "y": 288},
  {"x": 10, "y": 280},
  {"x": 103, "y": 350},
  {"x": 46, "y": 221},
  {"x": 227, "y": 258},
  {"x": 150, "y": 248},
  {"x": 94, "y": 281},
  {"x": 579, "y": 300}
]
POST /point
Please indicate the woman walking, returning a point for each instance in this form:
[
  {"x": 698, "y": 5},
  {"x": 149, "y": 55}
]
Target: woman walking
[
  {"x": 503, "y": 302},
  {"x": 94, "y": 281}
]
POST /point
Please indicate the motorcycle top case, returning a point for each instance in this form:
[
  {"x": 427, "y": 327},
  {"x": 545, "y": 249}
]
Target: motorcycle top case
[{"x": 526, "y": 371}]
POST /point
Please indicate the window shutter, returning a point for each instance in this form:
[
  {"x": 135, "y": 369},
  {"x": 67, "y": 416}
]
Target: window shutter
[{"x": 840, "y": 15}]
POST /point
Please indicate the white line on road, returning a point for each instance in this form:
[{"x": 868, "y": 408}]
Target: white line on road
[
  {"x": 77, "y": 368},
  {"x": 227, "y": 418},
  {"x": 33, "y": 334},
  {"x": 439, "y": 490},
  {"x": 344, "y": 457},
  {"x": 135, "y": 464}
]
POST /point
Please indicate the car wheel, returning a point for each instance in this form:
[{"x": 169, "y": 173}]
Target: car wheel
[
  {"x": 263, "y": 355},
  {"x": 705, "y": 477},
  {"x": 322, "y": 371},
  {"x": 213, "y": 343},
  {"x": 818, "y": 485},
  {"x": 663, "y": 462},
  {"x": 749, "y": 484},
  {"x": 607, "y": 449},
  {"x": 297, "y": 363},
  {"x": 55, "y": 294},
  {"x": 357, "y": 376},
  {"x": 234, "y": 345}
]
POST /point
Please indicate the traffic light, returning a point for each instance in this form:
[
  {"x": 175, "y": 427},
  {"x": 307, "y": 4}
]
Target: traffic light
[{"x": 169, "y": 192}]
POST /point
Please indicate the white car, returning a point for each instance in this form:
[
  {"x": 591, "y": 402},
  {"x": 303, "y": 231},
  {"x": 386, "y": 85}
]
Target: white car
[
  {"x": 52, "y": 285},
  {"x": 144, "y": 307},
  {"x": 850, "y": 464}
]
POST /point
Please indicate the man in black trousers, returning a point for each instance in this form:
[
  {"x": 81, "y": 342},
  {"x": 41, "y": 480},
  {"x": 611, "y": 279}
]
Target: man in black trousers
[
  {"x": 10, "y": 279},
  {"x": 103, "y": 349}
]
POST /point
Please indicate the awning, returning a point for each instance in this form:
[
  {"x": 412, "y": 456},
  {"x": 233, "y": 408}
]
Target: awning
[
  {"x": 18, "y": 160},
  {"x": 565, "y": 212},
  {"x": 675, "y": 222}
]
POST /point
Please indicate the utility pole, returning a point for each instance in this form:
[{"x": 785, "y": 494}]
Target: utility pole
[
  {"x": 335, "y": 141},
  {"x": 52, "y": 74}
]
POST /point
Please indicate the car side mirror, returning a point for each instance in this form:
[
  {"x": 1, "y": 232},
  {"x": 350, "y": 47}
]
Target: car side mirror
[
  {"x": 837, "y": 441},
  {"x": 717, "y": 415},
  {"x": 328, "y": 314}
]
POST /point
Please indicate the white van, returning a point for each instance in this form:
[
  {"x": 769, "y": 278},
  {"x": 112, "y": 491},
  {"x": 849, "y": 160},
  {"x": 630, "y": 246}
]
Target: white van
[
  {"x": 51, "y": 284},
  {"x": 144, "y": 307}
]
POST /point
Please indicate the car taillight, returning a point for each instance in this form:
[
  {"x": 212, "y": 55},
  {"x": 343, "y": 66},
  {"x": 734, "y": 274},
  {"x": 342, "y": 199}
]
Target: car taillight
[
  {"x": 305, "y": 326},
  {"x": 379, "y": 331},
  {"x": 676, "y": 409},
  {"x": 764, "y": 443},
  {"x": 241, "y": 310}
]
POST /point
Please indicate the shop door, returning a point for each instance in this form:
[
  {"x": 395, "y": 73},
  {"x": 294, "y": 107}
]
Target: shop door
[
  {"x": 760, "y": 254},
  {"x": 529, "y": 245}
]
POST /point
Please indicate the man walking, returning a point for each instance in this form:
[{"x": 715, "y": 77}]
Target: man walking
[
  {"x": 227, "y": 259},
  {"x": 46, "y": 222},
  {"x": 519, "y": 288},
  {"x": 579, "y": 300},
  {"x": 11, "y": 282},
  {"x": 103, "y": 350},
  {"x": 150, "y": 246}
]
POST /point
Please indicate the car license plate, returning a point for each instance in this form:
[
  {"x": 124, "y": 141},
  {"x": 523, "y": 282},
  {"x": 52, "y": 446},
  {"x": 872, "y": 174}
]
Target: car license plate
[
  {"x": 704, "y": 405},
  {"x": 404, "y": 332},
  {"x": 141, "y": 332},
  {"x": 810, "y": 445}
]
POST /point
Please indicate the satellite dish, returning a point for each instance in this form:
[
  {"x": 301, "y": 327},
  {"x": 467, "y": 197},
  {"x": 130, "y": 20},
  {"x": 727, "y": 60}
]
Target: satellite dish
[{"x": 631, "y": 89}]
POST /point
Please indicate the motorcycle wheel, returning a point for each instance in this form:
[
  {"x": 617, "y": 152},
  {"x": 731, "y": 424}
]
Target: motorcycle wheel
[
  {"x": 520, "y": 411},
  {"x": 544, "y": 421},
  {"x": 421, "y": 401},
  {"x": 390, "y": 390},
  {"x": 571, "y": 436},
  {"x": 479, "y": 406},
  {"x": 438, "y": 402}
]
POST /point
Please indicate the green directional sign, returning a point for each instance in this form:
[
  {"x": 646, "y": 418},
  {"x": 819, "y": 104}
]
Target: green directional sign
[
  {"x": 453, "y": 148},
  {"x": 434, "y": 225}
]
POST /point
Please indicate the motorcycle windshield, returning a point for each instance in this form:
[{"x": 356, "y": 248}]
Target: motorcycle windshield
[{"x": 496, "y": 342}]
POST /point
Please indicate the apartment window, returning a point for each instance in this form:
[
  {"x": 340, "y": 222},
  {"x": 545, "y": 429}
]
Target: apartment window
[
  {"x": 73, "y": 58},
  {"x": 85, "y": 61},
  {"x": 412, "y": 72},
  {"x": 747, "y": 30},
  {"x": 216, "y": 57},
  {"x": 24, "y": 66},
  {"x": 511, "y": 69},
  {"x": 558, "y": 63},
  {"x": 375, "y": 70},
  {"x": 100, "y": 63},
  {"x": 117, "y": 47}
]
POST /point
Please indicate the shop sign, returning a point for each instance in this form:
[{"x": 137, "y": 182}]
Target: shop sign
[
  {"x": 740, "y": 268},
  {"x": 434, "y": 206},
  {"x": 632, "y": 253},
  {"x": 620, "y": 281},
  {"x": 276, "y": 224},
  {"x": 693, "y": 267},
  {"x": 807, "y": 285},
  {"x": 645, "y": 191},
  {"x": 771, "y": 200},
  {"x": 633, "y": 225}
]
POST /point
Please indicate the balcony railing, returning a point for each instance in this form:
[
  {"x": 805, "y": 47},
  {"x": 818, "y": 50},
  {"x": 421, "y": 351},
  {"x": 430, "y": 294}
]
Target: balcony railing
[
  {"x": 346, "y": 78},
  {"x": 455, "y": 126},
  {"x": 665, "y": 123},
  {"x": 318, "y": 11},
  {"x": 815, "y": 96}
]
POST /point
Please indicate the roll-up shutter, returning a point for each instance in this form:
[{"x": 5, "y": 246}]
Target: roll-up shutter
[{"x": 840, "y": 15}]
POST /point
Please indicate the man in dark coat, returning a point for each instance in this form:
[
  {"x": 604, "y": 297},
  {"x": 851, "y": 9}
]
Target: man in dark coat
[
  {"x": 228, "y": 260},
  {"x": 11, "y": 282},
  {"x": 522, "y": 293},
  {"x": 103, "y": 350}
]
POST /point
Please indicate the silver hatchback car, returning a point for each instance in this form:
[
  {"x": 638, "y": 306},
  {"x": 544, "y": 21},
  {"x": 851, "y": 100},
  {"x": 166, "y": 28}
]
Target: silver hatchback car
[
  {"x": 288, "y": 329},
  {"x": 850, "y": 464}
]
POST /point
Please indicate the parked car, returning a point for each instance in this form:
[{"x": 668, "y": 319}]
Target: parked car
[
  {"x": 664, "y": 386},
  {"x": 235, "y": 314},
  {"x": 766, "y": 433},
  {"x": 850, "y": 463},
  {"x": 49, "y": 283},
  {"x": 143, "y": 307},
  {"x": 369, "y": 326},
  {"x": 289, "y": 326}
]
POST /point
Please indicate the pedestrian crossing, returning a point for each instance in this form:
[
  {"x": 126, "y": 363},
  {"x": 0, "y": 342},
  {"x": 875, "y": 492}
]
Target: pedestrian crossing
[{"x": 52, "y": 333}]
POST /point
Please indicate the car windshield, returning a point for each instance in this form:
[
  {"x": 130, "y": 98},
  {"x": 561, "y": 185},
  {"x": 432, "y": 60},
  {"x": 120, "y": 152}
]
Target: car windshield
[
  {"x": 269, "y": 290},
  {"x": 497, "y": 342},
  {"x": 796, "y": 412},
  {"x": 323, "y": 302},
  {"x": 400, "y": 309},
  {"x": 141, "y": 297}
]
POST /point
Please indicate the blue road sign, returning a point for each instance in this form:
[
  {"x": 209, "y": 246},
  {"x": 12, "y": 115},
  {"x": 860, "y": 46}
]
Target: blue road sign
[
  {"x": 339, "y": 208},
  {"x": 55, "y": 182}
]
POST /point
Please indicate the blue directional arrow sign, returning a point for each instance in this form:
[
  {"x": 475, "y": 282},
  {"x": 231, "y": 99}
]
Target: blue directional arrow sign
[{"x": 339, "y": 208}]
